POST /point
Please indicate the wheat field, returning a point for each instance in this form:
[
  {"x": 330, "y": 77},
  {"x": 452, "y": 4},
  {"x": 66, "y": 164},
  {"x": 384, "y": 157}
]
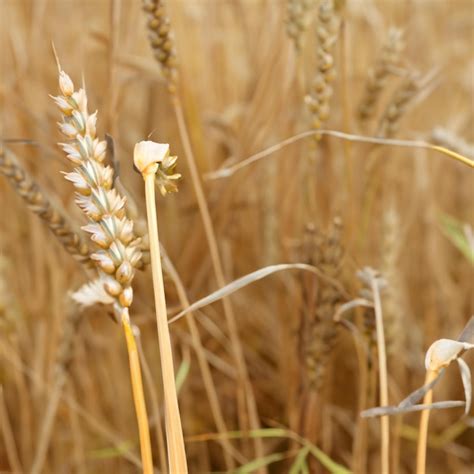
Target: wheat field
[{"x": 316, "y": 236}]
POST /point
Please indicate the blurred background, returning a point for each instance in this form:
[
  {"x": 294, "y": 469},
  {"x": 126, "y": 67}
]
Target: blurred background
[{"x": 250, "y": 74}]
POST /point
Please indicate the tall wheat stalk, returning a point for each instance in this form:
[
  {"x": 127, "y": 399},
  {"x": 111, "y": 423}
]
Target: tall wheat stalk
[{"x": 148, "y": 158}]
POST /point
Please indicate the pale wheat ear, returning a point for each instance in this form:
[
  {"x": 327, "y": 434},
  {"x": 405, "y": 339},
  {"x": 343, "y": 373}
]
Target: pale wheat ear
[
  {"x": 117, "y": 252},
  {"x": 148, "y": 158}
]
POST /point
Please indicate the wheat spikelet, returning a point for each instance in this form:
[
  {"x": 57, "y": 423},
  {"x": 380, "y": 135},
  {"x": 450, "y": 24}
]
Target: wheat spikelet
[
  {"x": 327, "y": 29},
  {"x": 377, "y": 78},
  {"x": 398, "y": 105},
  {"x": 161, "y": 39},
  {"x": 297, "y": 20},
  {"x": 38, "y": 202}
]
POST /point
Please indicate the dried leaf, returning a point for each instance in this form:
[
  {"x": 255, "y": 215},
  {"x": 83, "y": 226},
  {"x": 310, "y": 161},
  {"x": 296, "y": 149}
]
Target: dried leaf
[
  {"x": 247, "y": 280},
  {"x": 397, "y": 410},
  {"x": 466, "y": 381},
  {"x": 418, "y": 394}
]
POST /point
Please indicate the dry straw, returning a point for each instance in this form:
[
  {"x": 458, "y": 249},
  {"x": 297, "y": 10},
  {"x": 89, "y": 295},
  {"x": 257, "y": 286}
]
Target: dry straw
[
  {"x": 117, "y": 252},
  {"x": 154, "y": 163}
]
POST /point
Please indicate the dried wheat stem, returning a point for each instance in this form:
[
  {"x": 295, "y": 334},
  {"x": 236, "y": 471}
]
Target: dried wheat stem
[
  {"x": 38, "y": 202},
  {"x": 150, "y": 383},
  {"x": 149, "y": 157},
  {"x": 383, "y": 379},
  {"x": 424, "y": 420},
  {"x": 138, "y": 396},
  {"x": 451, "y": 140},
  {"x": 8, "y": 436}
]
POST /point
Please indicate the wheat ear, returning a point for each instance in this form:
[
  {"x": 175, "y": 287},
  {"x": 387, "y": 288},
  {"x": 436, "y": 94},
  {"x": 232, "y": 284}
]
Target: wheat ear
[
  {"x": 398, "y": 106},
  {"x": 38, "y": 202},
  {"x": 320, "y": 93},
  {"x": 151, "y": 158},
  {"x": 118, "y": 253},
  {"x": 377, "y": 78},
  {"x": 298, "y": 16}
]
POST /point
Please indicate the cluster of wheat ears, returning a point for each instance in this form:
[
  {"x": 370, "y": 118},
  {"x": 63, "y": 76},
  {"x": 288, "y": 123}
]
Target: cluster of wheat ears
[{"x": 315, "y": 143}]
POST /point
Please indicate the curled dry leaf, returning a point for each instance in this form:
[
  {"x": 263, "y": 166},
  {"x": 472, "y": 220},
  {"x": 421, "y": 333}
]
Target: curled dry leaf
[{"x": 443, "y": 351}]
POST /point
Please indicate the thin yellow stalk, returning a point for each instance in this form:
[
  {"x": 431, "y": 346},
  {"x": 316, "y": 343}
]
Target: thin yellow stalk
[
  {"x": 424, "y": 420},
  {"x": 174, "y": 432},
  {"x": 160, "y": 438},
  {"x": 138, "y": 396},
  {"x": 383, "y": 381},
  {"x": 8, "y": 436}
]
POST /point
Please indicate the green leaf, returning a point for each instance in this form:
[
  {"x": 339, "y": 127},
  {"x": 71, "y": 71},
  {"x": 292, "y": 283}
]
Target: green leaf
[
  {"x": 332, "y": 466},
  {"x": 182, "y": 374},
  {"x": 299, "y": 465},
  {"x": 256, "y": 464},
  {"x": 456, "y": 232},
  {"x": 112, "y": 451}
]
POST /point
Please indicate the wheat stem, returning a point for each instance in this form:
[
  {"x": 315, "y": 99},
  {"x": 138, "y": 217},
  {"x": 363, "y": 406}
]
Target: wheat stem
[
  {"x": 423, "y": 431},
  {"x": 174, "y": 432},
  {"x": 383, "y": 379},
  {"x": 138, "y": 396}
]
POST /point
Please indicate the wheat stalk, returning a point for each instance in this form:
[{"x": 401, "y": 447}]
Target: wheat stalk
[
  {"x": 39, "y": 203},
  {"x": 118, "y": 253},
  {"x": 151, "y": 159}
]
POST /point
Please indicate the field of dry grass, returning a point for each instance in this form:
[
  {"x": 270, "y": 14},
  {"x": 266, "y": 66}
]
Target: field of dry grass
[{"x": 325, "y": 148}]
